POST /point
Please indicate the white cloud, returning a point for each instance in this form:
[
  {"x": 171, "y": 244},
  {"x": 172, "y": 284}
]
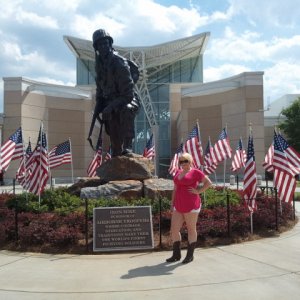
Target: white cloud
[
  {"x": 84, "y": 27},
  {"x": 62, "y": 5},
  {"x": 250, "y": 47},
  {"x": 53, "y": 81},
  {"x": 282, "y": 78},
  {"x": 36, "y": 20},
  {"x": 223, "y": 71},
  {"x": 20, "y": 63},
  {"x": 143, "y": 22},
  {"x": 276, "y": 13},
  {"x": 14, "y": 11},
  {"x": 1, "y": 94}
]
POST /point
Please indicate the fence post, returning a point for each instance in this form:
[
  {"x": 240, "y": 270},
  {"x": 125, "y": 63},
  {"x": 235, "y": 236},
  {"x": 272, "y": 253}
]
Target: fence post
[
  {"x": 16, "y": 221},
  {"x": 228, "y": 216},
  {"x": 86, "y": 227},
  {"x": 276, "y": 209},
  {"x": 294, "y": 207},
  {"x": 160, "y": 219},
  {"x": 14, "y": 186}
]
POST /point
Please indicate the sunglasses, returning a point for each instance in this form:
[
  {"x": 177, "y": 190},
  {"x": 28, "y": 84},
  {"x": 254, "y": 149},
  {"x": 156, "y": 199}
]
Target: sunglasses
[{"x": 183, "y": 161}]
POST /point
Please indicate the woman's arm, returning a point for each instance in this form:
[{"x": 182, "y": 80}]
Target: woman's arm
[
  {"x": 206, "y": 184},
  {"x": 173, "y": 197}
]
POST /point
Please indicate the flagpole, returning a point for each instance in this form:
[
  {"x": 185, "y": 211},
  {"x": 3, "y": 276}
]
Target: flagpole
[
  {"x": 155, "y": 133},
  {"x": 26, "y": 172},
  {"x": 225, "y": 160},
  {"x": 50, "y": 176},
  {"x": 40, "y": 171},
  {"x": 24, "y": 165},
  {"x": 251, "y": 221},
  {"x": 72, "y": 170},
  {"x": 200, "y": 146},
  {"x": 251, "y": 212}
]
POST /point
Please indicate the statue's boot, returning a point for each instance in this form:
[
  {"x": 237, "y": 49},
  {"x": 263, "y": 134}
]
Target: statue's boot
[{"x": 127, "y": 146}]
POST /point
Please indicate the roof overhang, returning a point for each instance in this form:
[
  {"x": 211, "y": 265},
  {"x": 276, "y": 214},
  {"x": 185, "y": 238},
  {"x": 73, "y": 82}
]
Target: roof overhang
[{"x": 153, "y": 56}]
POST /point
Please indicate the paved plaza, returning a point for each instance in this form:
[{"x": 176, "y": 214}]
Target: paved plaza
[{"x": 262, "y": 269}]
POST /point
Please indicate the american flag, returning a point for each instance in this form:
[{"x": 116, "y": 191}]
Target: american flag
[
  {"x": 268, "y": 162},
  {"x": 209, "y": 165},
  {"x": 12, "y": 149},
  {"x": 222, "y": 149},
  {"x": 149, "y": 151},
  {"x": 108, "y": 154},
  {"x": 284, "y": 172},
  {"x": 292, "y": 155},
  {"x": 239, "y": 158},
  {"x": 23, "y": 174},
  {"x": 250, "y": 177},
  {"x": 194, "y": 148},
  {"x": 60, "y": 154},
  {"x": 39, "y": 165},
  {"x": 96, "y": 161},
  {"x": 174, "y": 163}
]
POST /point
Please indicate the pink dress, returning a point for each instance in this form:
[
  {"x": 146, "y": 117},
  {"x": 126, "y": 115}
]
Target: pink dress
[{"x": 184, "y": 200}]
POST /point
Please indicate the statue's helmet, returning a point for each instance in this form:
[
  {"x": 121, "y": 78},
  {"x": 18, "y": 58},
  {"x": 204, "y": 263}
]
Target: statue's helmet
[{"x": 101, "y": 34}]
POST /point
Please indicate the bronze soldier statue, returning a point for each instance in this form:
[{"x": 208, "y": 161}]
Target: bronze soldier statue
[{"x": 116, "y": 101}]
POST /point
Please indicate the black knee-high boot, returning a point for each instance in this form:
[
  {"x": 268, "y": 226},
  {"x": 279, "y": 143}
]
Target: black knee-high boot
[
  {"x": 176, "y": 253},
  {"x": 190, "y": 253}
]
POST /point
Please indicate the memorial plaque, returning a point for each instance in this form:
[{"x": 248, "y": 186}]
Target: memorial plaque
[{"x": 122, "y": 228}]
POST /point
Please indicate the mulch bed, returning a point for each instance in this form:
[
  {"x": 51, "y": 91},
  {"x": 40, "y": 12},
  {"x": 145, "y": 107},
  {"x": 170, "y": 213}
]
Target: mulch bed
[{"x": 160, "y": 244}]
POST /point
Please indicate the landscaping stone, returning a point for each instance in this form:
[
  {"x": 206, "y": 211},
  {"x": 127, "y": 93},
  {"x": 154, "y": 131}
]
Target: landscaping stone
[
  {"x": 133, "y": 166},
  {"x": 128, "y": 189}
]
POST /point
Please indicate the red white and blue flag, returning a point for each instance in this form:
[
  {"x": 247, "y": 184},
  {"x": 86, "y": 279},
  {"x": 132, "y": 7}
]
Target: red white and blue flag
[
  {"x": 239, "y": 157},
  {"x": 149, "y": 151},
  {"x": 96, "y": 161},
  {"x": 268, "y": 162},
  {"x": 250, "y": 177},
  {"x": 221, "y": 149},
  {"x": 194, "y": 148},
  {"x": 60, "y": 154},
  {"x": 284, "y": 172},
  {"x": 23, "y": 174},
  {"x": 12, "y": 149},
  {"x": 38, "y": 165},
  {"x": 108, "y": 154},
  {"x": 209, "y": 165},
  {"x": 174, "y": 165},
  {"x": 292, "y": 155}
]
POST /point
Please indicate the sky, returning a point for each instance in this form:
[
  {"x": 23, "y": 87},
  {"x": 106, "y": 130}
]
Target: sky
[{"x": 255, "y": 35}]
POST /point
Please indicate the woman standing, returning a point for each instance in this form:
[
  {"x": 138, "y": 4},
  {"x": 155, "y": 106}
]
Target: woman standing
[{"x": 186, "y": 205}]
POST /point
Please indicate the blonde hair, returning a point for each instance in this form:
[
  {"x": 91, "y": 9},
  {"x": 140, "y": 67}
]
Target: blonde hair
[{"x": 187, "y": 156}]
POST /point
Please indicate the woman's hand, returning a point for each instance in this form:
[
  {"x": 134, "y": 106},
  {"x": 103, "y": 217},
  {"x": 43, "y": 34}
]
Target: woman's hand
[{"x": 194, "y": 191}]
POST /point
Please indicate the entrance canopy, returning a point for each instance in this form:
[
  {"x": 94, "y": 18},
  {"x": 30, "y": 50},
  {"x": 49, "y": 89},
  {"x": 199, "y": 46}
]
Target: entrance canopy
[{"x": 152, "y": 56}]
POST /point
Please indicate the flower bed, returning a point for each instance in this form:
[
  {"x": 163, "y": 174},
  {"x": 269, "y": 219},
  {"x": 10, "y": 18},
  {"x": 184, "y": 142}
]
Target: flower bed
[{"x": 58, "y": 222}]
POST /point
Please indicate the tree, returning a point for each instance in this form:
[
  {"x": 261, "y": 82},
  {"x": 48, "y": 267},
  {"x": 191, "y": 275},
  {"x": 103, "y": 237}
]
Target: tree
[{"x": 291, "y": 124}]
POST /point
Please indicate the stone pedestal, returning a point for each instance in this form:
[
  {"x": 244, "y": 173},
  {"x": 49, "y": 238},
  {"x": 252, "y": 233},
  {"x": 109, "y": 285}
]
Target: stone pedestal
[
  {"x": 131, "y": 166},
  {"x": 128, "y": 177}
]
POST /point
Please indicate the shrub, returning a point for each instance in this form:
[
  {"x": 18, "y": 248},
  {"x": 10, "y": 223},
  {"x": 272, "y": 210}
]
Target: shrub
[
  {"x": 57, "y": 200},
  {"x": 215, "y": 197},
  {"x": 59, "y": 219}
]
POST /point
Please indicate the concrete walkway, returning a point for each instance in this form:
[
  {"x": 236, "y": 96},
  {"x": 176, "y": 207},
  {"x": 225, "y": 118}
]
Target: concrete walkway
[{"x": 263, "y": 269}]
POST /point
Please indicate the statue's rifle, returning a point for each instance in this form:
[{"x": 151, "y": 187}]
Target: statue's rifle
[{"x": 95, "y": 116}]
